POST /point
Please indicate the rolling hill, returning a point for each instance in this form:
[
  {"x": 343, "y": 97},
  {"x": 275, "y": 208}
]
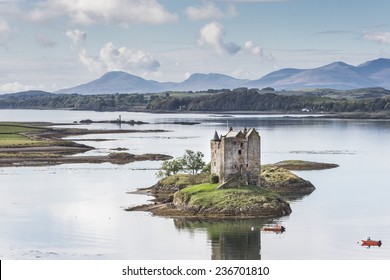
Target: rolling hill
[{"x": 337, "y": 75}]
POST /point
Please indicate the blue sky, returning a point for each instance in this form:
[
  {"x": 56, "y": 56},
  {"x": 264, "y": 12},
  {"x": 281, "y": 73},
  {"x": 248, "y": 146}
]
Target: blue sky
[{"x": 53, "y": 44}]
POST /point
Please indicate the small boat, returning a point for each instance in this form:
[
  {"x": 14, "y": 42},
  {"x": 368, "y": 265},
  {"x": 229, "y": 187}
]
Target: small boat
[
  {"x": 369, "y": 242},
  {"x": 277, "y": 228}
]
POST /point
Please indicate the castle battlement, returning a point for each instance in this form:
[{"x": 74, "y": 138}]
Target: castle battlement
[{"x": 236, "y": 153}]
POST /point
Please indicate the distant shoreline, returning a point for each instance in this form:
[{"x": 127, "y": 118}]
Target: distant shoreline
[
  {"x": 368, "y": 103},
  {"x": 346, "y": 116}
]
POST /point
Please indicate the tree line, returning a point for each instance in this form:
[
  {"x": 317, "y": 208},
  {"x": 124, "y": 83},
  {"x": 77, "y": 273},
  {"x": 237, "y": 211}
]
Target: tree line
[
  {"x": 247, "y": 100},
  {"x": 241, "y": 99},
  {"x": 101, "y": 102}
]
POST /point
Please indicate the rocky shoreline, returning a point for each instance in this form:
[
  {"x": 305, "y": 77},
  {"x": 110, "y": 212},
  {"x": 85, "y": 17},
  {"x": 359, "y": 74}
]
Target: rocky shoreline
[
  {"x": 42, "y": 160},
  {"x": 48, "y": 147}
]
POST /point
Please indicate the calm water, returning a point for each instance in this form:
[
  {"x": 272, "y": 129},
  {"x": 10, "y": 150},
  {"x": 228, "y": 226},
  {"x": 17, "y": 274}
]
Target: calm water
[{"x": 76, "y": 211}]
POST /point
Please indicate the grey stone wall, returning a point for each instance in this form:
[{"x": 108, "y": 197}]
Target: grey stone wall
[{"x": 237, "y": 152}]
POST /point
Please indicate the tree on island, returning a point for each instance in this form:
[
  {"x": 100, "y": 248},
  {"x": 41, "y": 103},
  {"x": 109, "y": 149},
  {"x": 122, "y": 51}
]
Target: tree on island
[
  {"x": 191, "y": 162},
  {"x": 170, "y": 167}
]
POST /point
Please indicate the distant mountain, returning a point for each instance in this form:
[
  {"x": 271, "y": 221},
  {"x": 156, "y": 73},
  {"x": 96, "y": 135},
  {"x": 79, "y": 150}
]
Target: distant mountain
[
  {"x": 274, "y": 77},
  {"x": 197, "y": 82},
  {"x": 337, "y": 75},
  {"x": 116, "y": 81},
  {"x": 121, "y": 82},
  {"x": 378, "y": 71}
]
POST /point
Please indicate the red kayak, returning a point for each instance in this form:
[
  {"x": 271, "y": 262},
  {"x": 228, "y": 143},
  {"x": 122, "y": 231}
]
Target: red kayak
[
  {"x": 277, "y": 228},
  {"x": 369, "y": 242}
]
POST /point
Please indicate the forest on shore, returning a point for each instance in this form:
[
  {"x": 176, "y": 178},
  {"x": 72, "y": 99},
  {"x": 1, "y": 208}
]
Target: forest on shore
[{"x": 371, "y": 100}]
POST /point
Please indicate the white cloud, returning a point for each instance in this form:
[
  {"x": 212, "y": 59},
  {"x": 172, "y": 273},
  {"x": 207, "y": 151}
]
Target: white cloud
[
  {"x": 103, "y": 11},
  {"x": 77, "y": 37},
  {"x": 209, "y": 11},
  {"x": 380, "y": 37},
  {"x": 93, "y": 64},
  {"x": 111, "y": 58},
  {"x": 252, "y": 48},
  {"x": 126, "y": 59},
  {"x": 212, "y": 34}
]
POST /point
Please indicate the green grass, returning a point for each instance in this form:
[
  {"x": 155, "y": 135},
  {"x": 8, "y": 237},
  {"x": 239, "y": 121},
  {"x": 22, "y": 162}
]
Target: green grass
[
  {"x": 183, "y": 180},
  {"x": 12, "y": 135},
  {"x": 10, "y": 128},
  {"x": 9, "y": 140},
  {"x": 200, "y": 188},
  {"x": 207, "y": 195}
]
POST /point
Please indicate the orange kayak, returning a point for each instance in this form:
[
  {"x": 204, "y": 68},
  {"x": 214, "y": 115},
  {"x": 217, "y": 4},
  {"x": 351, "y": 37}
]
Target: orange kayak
[
  {"x": 274, "y": 228},
  {"x": 370, "y": 242}
]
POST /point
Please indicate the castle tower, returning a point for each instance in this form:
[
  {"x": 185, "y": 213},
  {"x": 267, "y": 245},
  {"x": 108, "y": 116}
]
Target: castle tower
[{"x": 237, "y": 152}]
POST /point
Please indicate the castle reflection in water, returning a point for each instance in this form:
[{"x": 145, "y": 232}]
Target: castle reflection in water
[{"x": 230, "y": 240}]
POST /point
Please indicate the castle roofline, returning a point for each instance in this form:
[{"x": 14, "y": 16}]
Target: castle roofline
[
  {"x": 234, "y": 134},
  {"x": 216, "y": 137},
  {"x": 251, "y": 131}
]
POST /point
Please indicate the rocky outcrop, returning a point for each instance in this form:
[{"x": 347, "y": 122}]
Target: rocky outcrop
[
  {"x": 284, "y": 182},
  {"x": 305, "y": 165}
]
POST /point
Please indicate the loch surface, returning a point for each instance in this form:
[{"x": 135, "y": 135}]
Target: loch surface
[{"x": 76, "y": 211}]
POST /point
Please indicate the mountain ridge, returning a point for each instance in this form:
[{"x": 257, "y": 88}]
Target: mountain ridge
[{"x": 336, "y": 75}]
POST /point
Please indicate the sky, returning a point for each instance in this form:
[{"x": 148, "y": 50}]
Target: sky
[{"x": 55, "y": 44}]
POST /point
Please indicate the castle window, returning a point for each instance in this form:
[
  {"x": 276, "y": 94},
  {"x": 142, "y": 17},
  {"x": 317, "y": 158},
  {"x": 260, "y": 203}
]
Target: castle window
[
  {"x": 239, "y": 152},
  {"x": 242, "y": 145}
]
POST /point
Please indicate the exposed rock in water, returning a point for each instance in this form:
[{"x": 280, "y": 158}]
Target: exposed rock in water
[
  {"x": 121, "y": 158},
  {"x": 304, "y": 165},
  {"x": 283, "y": 181}
]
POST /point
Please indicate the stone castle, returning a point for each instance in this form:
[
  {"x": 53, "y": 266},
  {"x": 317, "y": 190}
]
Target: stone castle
[{"x": 236, "y": 156}]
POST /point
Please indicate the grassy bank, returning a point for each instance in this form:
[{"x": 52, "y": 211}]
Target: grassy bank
[{"x": 15, "y": 135}]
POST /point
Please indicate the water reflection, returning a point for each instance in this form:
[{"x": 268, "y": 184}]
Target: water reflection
[{"x": 229, "y": 239}]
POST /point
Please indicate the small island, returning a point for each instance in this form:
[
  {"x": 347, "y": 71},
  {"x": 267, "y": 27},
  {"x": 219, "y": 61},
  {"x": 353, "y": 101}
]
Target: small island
[
  {"x": 305, "y": 165},
  {"x": 233, "y": 185}
]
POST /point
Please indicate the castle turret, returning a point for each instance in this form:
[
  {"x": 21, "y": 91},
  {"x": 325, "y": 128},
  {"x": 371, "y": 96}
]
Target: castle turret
[{"x": 216, "y": 137}]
